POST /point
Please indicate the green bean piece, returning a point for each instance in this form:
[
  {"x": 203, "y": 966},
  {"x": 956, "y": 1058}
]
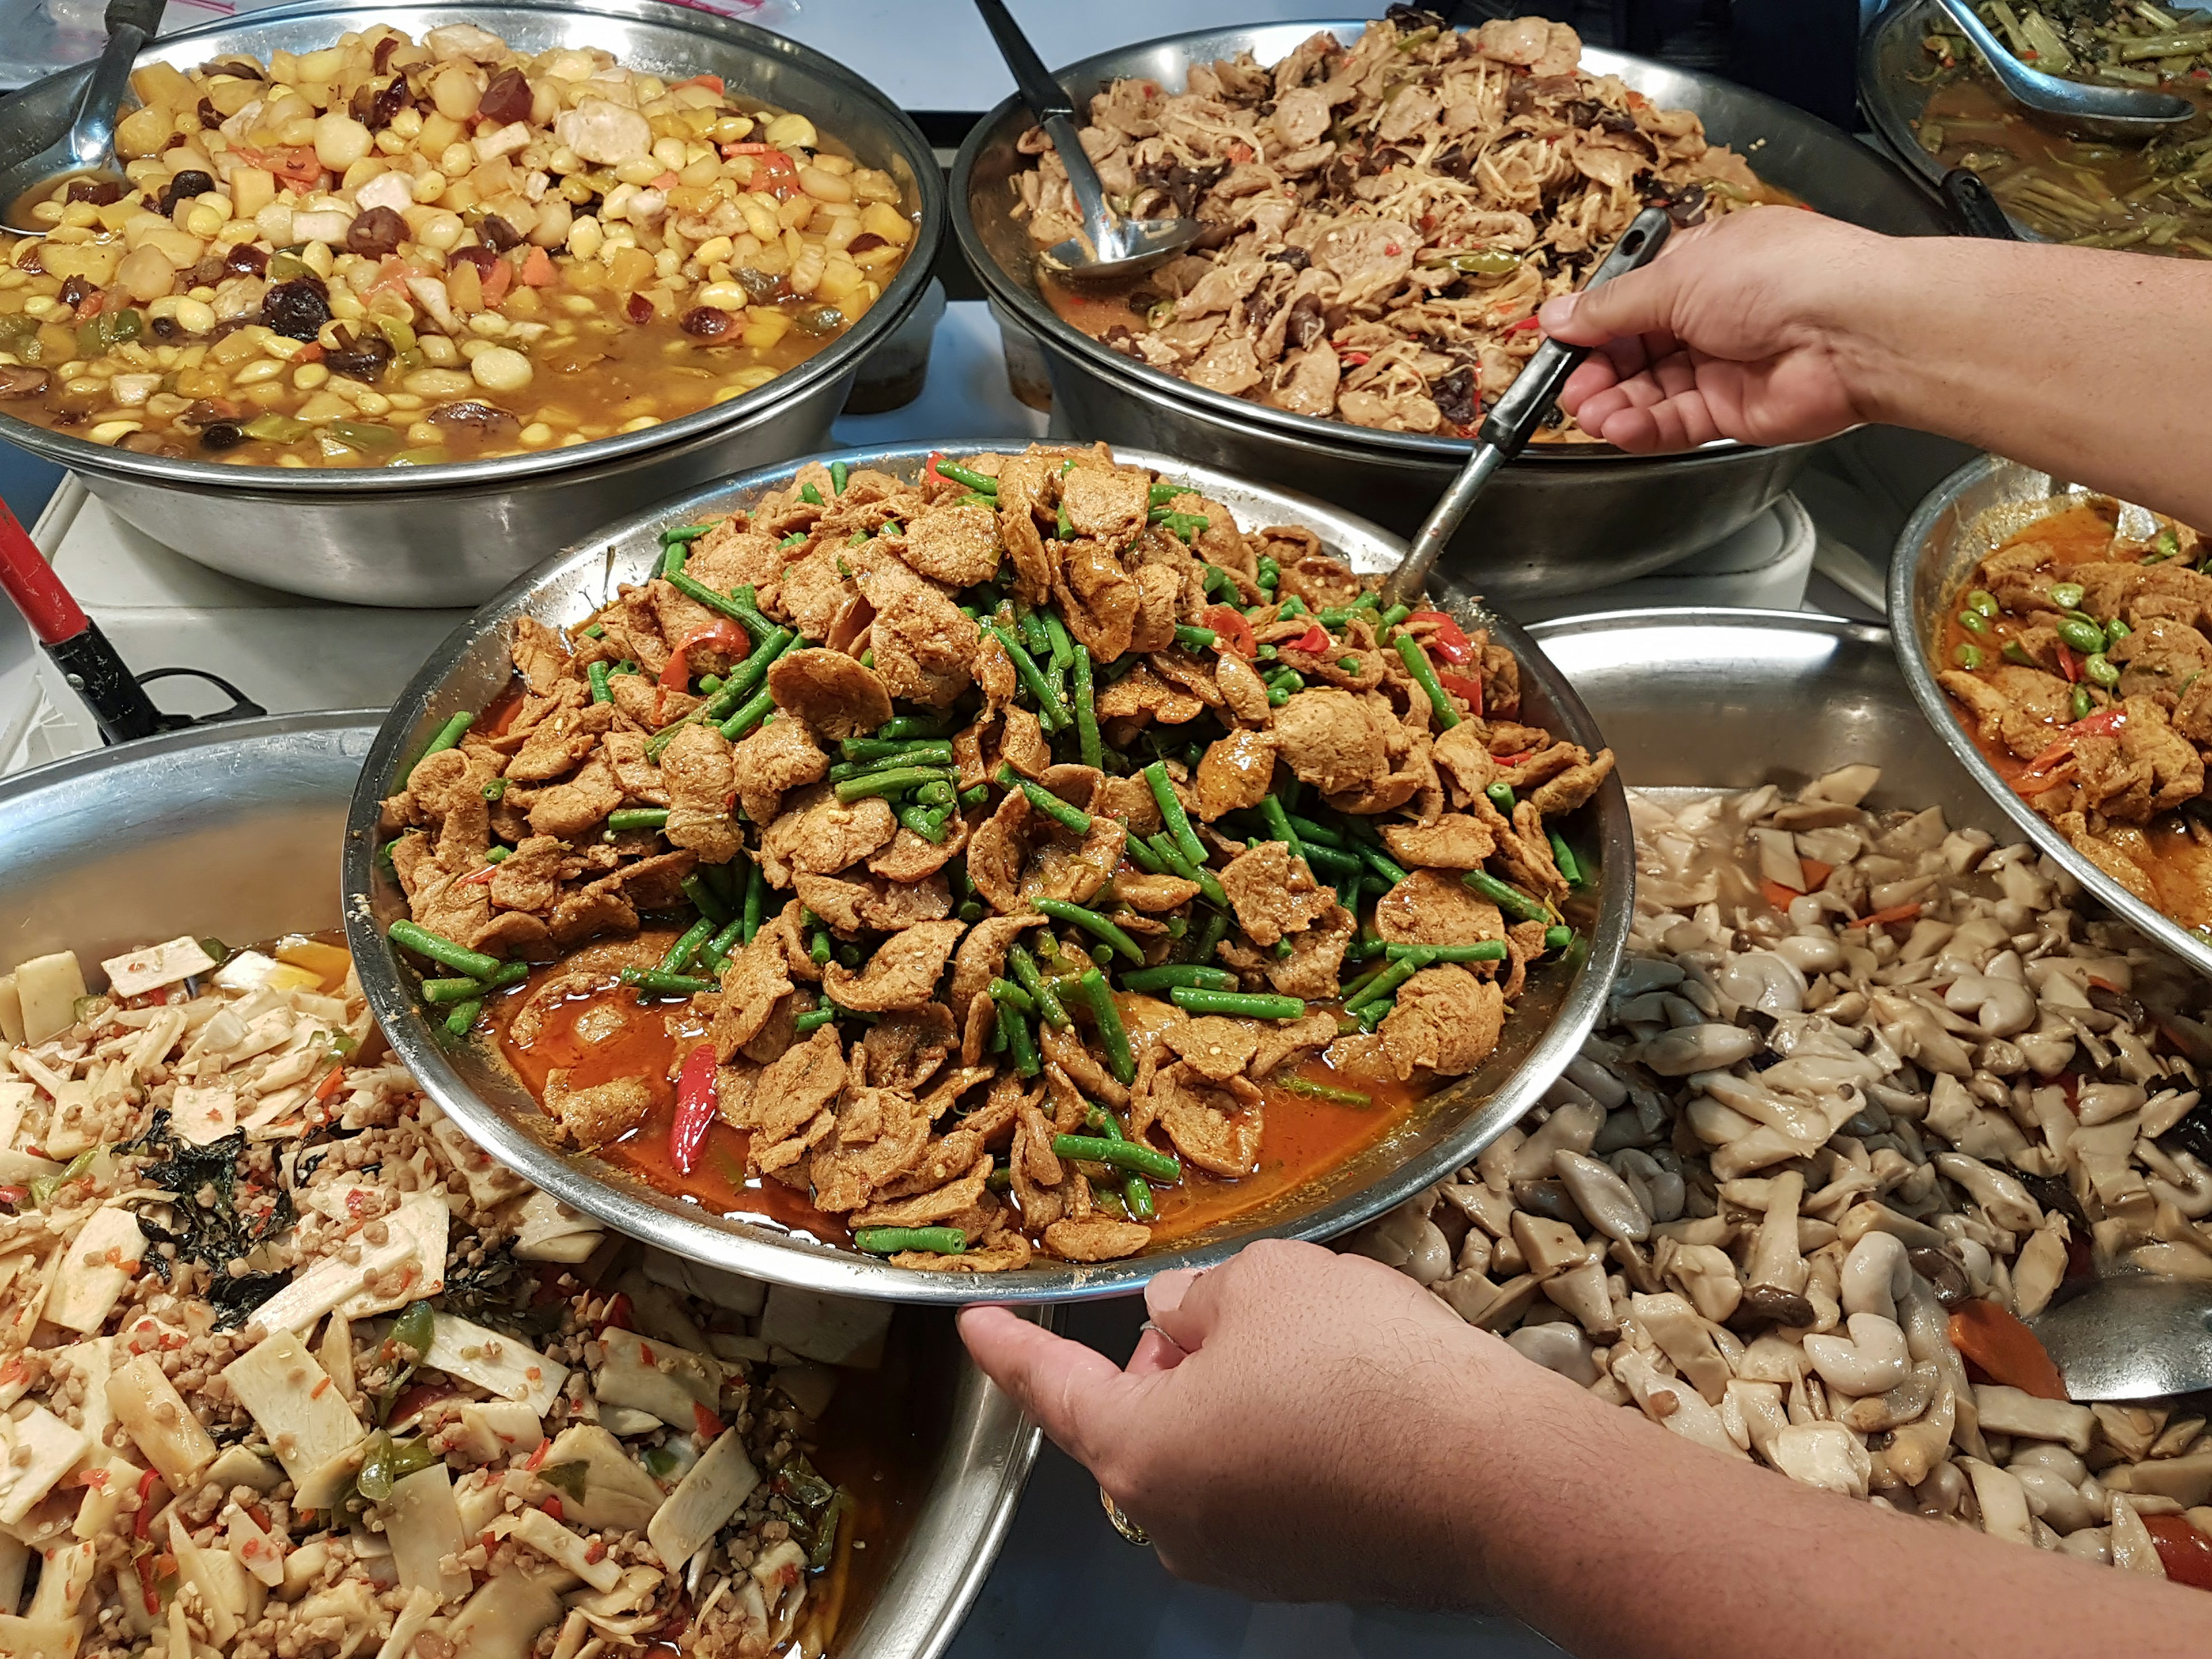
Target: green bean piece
[
  {"x": 1142, "y": 856},
  {"x": 939, "y": 794},
  {"x": 1060, "y": 811},
  {"x": 1386, "y": 983},
  {"x": 756, "y": 902},
  {"x": 1217, "y": 929},
  {"x": 462, "y": 1017},
  {"x": 636, "y": 818},
  {"x": 1557, "y": 938},
  {"x": 905, "y": 754},
  {"x": 1194, "y": 639},
  {"x": 1382, "y": 865},
  {"x": 1019, "y": 1043},
  {"x": 413, "y": 936},
  {"x": 810, "y": 495},
  {"x": 1279, "y": 822},
  {"x": 2014, "y": 652},
  {"x": 1487, "y": 950},
  {"x": 1982, "y": 602},
  {"x": 597, "y": 674},
  {"x": 658, "y": 982},
  {"x": 746, "y": 600},
  {"x": 1334, "y": 860},
  {"x": 1113, "y": 1035},
  {"x": 1092, "y": 747},
  {"x": 1029, "y": 629},
  {"x": 1502, "y": 797},
  {"x": 1172, "y": 813},
  {"x": 2165, "y": 545},
  {"x": 1042, "y": 992},
  {"x": 748, "y": 717},
  {"x": 1052, "y": 712},
  {"x": 457, "y": 990},
  {"x": 1328, "y": 1091},
  {"x": 1164, "y": 848},
  {"x": 449, "y": 736},
  {"x": 813, "y": 1020},
  {"x": 1092, "y": 922},
  {"x": 1132, "y": 1155},
  {"x": 1307, "y": 830},
  {"x": 817, "y": 948},
  {"x": 709, "y": 684},
  {"x": 1394, "y": 616},
  {"x": 716, "y": 953},
  {"x": 1137, "y": 1195},
  {"x": 2115, "y": 631},
  {"x": 1267, "y": 572},
  {"x": 1425, "y": 676},
  {"x": 687, "y": 946},
  {"x": 794, "y": 539},
  {"x": 1973, "y": 621},
  {"x": 2084, "y": 704},
  {"x": 1290, "y": 609},
  {"x": 904, "y": 727},
  {"x": 933, "y": 747},
  {"x": 927, "y": 822},
  {"x": 1570, "y": 866},
  {"x": 2083, "y": 637},
  {"x": 692, "y": 589},
  {"x": 978, "y": 796},
  {"x": 1237, "y": 1004},
  {"x": 891, "y": 782},
  {"x": 704, "y": 899},
  {"x": 683, "y": 535},
  {"x": 1968, "y": 655},
  {"x": 1007, "y": 994},
  {"x": 2102, "y": 669},
  {"x": 2068, "y": 596},
  {"x": 839, "y": 472},
  {"x": 981, "y": 483},
  {"x": 672, "y": 556},
  {"x": 1061, "y": 642},
  {"x": 892, "y": 1240},
  {"x": 1507, "y": 897}
]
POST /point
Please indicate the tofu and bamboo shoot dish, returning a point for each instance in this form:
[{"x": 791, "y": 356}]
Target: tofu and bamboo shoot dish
[
  {"x": 2091, "y": 191},
  {"x": 289, "y": 1367},
  {"x": 2077, "y": 655},
  {"x": 1869, "y": 1093},
  {"x": 1018, "y": 856},
  {"x": 1382, "y": 220},
  {"x": 392, "y": 252}
]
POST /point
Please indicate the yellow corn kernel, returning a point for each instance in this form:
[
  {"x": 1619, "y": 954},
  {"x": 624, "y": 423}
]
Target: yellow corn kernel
[
  {"x": 372, "y": 403},
  {"x": 108, "y": 432},
  {"x": 536, "y": 436},
  {"x": 255, "y": 373},
  {"x": 422, "y": 432},
  {"x": 308, "y": 376},
  {"x": 792, "y": 132},
  {"x": 584, "y": 238}
]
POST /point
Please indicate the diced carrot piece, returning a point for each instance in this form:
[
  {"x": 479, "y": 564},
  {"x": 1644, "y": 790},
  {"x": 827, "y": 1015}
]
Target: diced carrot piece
[
  {"x": 538, "y": 269},
  {"x": 1895, "y": 913},
  {"x": 1816, "y": 873},
  {"x": 1777, "y": 894},
  {"x": 2006, "y": 1349}
]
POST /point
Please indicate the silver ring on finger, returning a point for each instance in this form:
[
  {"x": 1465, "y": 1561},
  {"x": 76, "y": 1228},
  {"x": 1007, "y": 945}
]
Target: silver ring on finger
[{"x": 1119, "y": 1520}]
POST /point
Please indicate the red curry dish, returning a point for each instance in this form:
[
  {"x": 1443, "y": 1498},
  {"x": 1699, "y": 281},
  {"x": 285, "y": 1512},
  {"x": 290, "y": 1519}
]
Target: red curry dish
[
  {"x": 1382, "y": 220},
  {"x": 1020, "y": 856},
  {"x": 2079, "y": 655}
]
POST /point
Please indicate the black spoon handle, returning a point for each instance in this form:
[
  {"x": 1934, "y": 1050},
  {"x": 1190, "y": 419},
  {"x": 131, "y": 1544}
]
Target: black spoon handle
[{"x": 1045, "y": 96}]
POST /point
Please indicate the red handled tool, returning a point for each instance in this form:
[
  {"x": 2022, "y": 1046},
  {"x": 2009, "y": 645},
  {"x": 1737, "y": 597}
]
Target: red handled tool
[{"x": 77, "y": 646}]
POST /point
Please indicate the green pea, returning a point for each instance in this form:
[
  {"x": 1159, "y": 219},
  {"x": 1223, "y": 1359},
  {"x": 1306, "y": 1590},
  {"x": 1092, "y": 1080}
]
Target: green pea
[
  {"x": 2084, "y": 704},
  {"x": 2101, "y": 669},
  {"x": 1982, "y": 600},
  {"x": 1968, "y": 655},
  {"x": 2082, "y": 636},
  {"x": 1973, "y": 621},
  {"x": 2066, "y": 595}
]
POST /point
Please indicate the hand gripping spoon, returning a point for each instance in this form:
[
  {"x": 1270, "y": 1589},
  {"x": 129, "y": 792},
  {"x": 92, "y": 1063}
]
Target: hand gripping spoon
[{"x": 1514, "y": 418}]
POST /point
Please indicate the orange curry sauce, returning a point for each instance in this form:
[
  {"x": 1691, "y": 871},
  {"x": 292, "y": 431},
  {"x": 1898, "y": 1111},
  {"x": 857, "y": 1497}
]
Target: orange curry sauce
[{"x": 2181, "y": 866}]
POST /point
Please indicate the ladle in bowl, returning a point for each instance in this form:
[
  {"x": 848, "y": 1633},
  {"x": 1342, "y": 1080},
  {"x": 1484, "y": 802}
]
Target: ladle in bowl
[
  {"x": 86, "y": 148},
  {"x": 1109, "y": 245},
  {"x": 2130, "y": 1336},
  {"x": 2134, "y": 112}
]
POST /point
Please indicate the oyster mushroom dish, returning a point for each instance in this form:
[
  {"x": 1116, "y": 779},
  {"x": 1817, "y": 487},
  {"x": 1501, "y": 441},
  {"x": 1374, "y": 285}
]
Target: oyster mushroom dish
[
  {"x": 1381, "y": 219},
  {"x": 1870, "y": 1094},
  {"x": 2077, "y": 655},
  {"x": 289, "y": 1367},
  {"x": 393, "y": 253},
  {"x": 1020, "y": 856}
]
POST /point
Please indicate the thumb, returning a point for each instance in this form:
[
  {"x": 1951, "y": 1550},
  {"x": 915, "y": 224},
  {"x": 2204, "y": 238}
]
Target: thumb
[
  {"x": 1637, "y": 303},
  {"x": 1068, "y": 1389}
]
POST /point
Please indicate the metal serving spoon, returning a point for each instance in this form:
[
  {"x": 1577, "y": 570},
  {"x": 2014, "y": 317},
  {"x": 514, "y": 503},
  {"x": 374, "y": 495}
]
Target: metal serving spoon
[
  {"x": 2131, "y": 1336},
  {"x": 1108, "y": 245},
  {"x": 2102, "y": 112},
  {"x": 1514, "y": 418},
  {"x": 86, "y": 148}
]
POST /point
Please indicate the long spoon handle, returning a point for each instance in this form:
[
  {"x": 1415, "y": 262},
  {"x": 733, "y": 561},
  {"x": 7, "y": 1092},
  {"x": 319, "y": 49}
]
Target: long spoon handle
[
  {"x": 1514, "y": 418},
  {"x": 131, "y": 25},
  {"x": 1054, "y": 111}
]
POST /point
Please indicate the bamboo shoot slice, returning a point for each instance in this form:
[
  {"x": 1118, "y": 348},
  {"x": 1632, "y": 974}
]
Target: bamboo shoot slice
[
  {"x": 306, "y": 1420},
  {"x": 422, "y": 1607},
  {"x": 502, "y": 1619},
  {"x": 149, "y": 967},
  {"x": 424, "y": 1525},
  {"x": 707, "y": 1498},
  {"x": 656, "y": 1376},
  {"x": 557, "y": 1543},
  {"x": 36, "y": 1450},
  {"x": 95, "y": 1269},
  {"x": 39, "y": 1638},
  {"x": 509, "y": 1368},
  {"x": 48, "y": 988},
  {"x": 159, "y": 1422}
]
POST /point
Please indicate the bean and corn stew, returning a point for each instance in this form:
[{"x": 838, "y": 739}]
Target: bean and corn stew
[
  {"x": 392, "y": 253},
  {"x": 1020, "y": 855}
]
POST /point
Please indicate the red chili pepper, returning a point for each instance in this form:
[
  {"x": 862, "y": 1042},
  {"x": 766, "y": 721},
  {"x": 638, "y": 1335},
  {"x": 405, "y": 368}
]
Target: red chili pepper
[
  {"x": 2103, "y": 723},
  {"x": 1460, "y": 685},
  {"x": 1522, "y": 326},
  {"x": 12, "y": 1195},
  {"x": 1513, "y": 760},
  {"x": 695, "y": 1107},
  {"x": 1230, "y": 631},
  {"x": 552, "y": 1507},
  {"x": 1446, "y": 638},
  {"x": 707, "y": 1424},
  {"x": 1356, "y": 358},
  {"x": 145, "y": 1565},
  {"x": 725, "y": 635},
  {"x": 144, "y": 1518},
  {"x": 1240, "y": 152},
  {"x": 2068, "y": 665},
  {"x": 329, "y": 1085},
  {"x": 537, "y": 1458},
  {"x": 619, "y": 1314},
  {"x": 1314, "y": 640},
  {"x": 478, "y": 878},
  {"x": 2184, "y": 1552}
]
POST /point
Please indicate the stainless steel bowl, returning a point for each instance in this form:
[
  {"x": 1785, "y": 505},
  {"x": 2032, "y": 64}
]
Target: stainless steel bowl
[
  {"x": 454, "y": 535},
  {"x": 1966, "y": 515},
  {"x": 1715, "y": 699},
  {"x": 1893, "y": 89},
  {"x": 1558, "y": 519},
  {"x": 473, "y": 667},
  {"x": 234, "y": 831}
]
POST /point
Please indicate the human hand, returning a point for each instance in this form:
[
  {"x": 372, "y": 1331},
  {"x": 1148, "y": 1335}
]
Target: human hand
[
  {"x": 1739, "y": 329},
  {"x": 1295, "y": 1428}
]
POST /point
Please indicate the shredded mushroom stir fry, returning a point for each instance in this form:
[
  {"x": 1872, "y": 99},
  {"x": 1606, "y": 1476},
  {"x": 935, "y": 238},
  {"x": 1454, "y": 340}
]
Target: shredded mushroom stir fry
[
  {"x": 1382, "y": 221},
  {"x": 289, "y": 1366},
  {"x": 1169, "y": 807},
  {"x": 1868, "y": 1091}
]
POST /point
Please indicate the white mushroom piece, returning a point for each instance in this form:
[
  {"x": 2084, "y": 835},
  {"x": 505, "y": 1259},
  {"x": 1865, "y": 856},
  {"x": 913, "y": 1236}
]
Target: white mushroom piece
[{"x": 1797, "y": 1141}]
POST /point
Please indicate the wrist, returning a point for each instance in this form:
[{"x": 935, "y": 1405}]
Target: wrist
[{"x": 1881, "y": 324}]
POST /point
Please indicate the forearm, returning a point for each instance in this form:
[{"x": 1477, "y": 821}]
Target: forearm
[
  {"x": 1612, "y": 1535},
  {"x": 2080, "y": 362}
]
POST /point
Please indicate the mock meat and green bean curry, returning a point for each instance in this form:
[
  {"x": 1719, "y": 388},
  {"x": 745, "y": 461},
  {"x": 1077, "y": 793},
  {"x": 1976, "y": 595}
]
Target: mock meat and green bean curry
[
  {"x": 393, "y": 253},
  {"x": 289, "y": 1367},
  {"x": 1381, "y": 219},
  {"x": 2077, "y": 653},
  {"x": 1018, "y": 856}
]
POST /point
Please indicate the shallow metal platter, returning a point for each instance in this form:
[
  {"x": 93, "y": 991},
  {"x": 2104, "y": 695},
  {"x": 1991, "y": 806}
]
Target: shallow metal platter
[
  {"x": 234, "y": 831},
  {"x": 473, "y": 667},
  {"x": 1963, "y": 518}
]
